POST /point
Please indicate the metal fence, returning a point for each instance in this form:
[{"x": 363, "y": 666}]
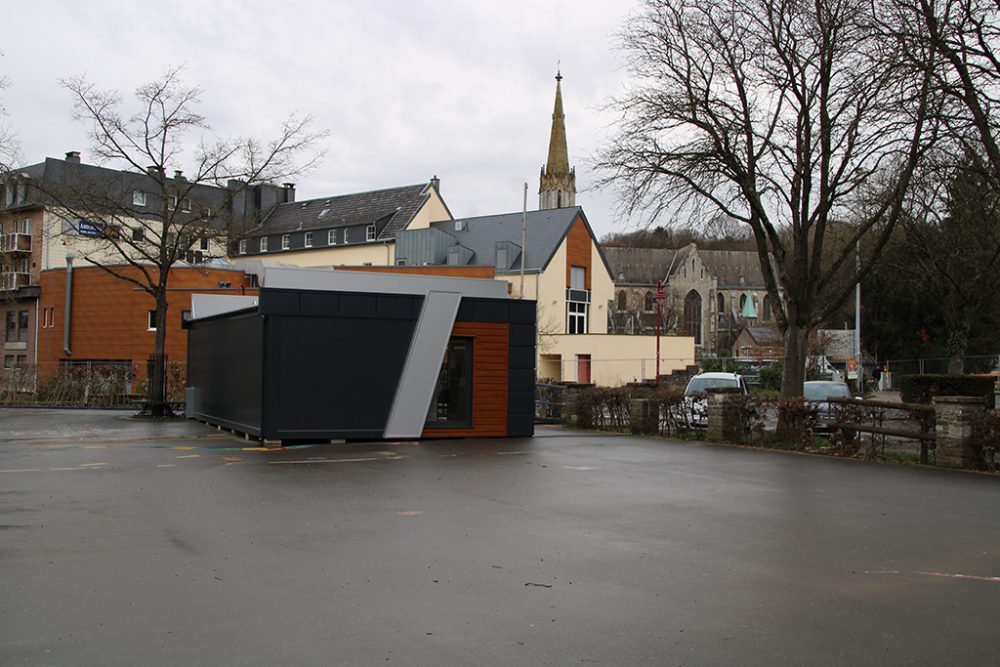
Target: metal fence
[{"x": 104, "y": 383}]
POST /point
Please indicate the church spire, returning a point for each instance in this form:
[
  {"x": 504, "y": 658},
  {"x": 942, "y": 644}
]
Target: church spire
[{"x": 557, "y": 186}]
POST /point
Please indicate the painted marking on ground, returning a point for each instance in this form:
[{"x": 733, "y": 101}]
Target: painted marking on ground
[
  {"x": 307, "y": 461},
  {"x": 167, "y": 465},
  {"x": 974, "y": 577},
  {"x": 579, "y": 468},
  {"x": 511, "y": 453},
  {"x": 22, "y": 470},
  {"x": 92, "y": 465},
  {"x": 190, "y": 456},
  {"x": 410, "y": 513}
]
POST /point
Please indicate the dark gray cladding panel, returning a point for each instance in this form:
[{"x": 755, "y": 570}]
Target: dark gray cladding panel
[
  {"x": 320, "y": 304},
  {"x": 522, "y": 334},
  {"x": 224, "y": 364},
  {"x": 522, "y": 357},
  {"x": 521, "y": 426},
  {"x": 522, "y": 312},
  {"x": 522, "y": 402},
  {"x": 491, "y": 310},
  {"x": 521, "y": 379},
  {"x": 279, "y": 302},
  {"x": 358, "y": 305},
  {"x": 466, "y": 311},
  {"x": 333, "y": 377},
  {"x": 395, "y": 307}
]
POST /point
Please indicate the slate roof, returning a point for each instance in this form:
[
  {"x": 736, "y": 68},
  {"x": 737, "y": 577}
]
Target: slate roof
[
  {"x": 765, "y": 335},
  {"x": 728, "y": 265},
  {"x": 544, "y": 232},
  {"x": 639, "y": 266},
  {"x": 392, "y": 208}
]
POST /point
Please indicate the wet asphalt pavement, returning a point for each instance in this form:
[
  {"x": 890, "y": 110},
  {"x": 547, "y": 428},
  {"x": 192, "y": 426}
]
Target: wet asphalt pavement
[{"x": 133, "y": 543}]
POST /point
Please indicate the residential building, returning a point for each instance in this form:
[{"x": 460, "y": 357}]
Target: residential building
[
  {"x": 43, "y": 226},
  {"x": 91, "y": 318},
  {"x": 345, "y": 230}
]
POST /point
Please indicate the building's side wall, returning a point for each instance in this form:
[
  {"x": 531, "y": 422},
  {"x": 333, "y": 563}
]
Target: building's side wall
[
  {"x": 110, "y": 316},
  {"x": 602, "y": 290},
  {"x": 433, "y": 210},
  {"x": 225, "y": 366},
  {"x": 614, "y": 360}
]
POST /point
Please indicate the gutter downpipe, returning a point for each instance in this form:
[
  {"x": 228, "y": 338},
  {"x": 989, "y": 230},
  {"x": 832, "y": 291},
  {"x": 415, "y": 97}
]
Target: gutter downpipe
[{"x": 69, "y": 304}]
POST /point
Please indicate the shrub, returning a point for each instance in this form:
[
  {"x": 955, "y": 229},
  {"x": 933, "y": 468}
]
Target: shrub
[
  {"x": 770, "y": 376},
  {"x": 603, "y": 408},
  {"x": 922, "y": 388}
]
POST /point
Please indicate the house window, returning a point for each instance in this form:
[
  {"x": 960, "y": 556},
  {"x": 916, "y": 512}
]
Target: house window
[
  {"x": 400, "y": 261},
  {"x": 138, "y": 234},
  {"x": 577, "y": 277},
  {"x": 370, "y": 233},
  {"x": 203, "y": 244},
  {"x": 185, "y": 315},
  {"x": 243, "y": 246},
  {"x": 308, "y": 240},
  {"x": 138, "y": 198},
  {"x": 622, "y": 300},
  {"x": 263, "y": 244},
  {"x": 186, "y": 205},
  {"x": 24, "y": 227},
  {"x": 451, "y": 404},
  {"x": 331, "y": 237},
  {"x": 285, "y": 238},
  {"x": 576, "y": 317},
  {"x": 172, "y": 201},
  {"x": 150, "y": 320},
  {"x": 647, "y": 303},
  {"x": 502, "y": 258}
]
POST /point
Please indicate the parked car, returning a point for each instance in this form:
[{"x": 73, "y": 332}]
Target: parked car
[
  {"x": 817, "y": 394},
  {"x": 696, "y": 394}
]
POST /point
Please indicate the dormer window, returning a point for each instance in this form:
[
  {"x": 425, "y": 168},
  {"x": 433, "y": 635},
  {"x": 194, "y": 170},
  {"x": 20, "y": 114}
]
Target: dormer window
[
  {"x": 263, "y": 244},
  {"x": 243, "y": 246},
  {"x": 308, "y": 240},
  {"x": 370, "y": 233},
  {"x": 285, "y": 241},
  {"x": 138, "y": 198},
  {"x": 331, "y": 237}
]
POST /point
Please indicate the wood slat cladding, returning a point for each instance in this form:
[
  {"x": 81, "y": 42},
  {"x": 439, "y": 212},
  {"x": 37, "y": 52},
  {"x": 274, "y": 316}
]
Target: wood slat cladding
[
  {"x": 578, "y": 249},
  {"x": 489, "y": 381}
]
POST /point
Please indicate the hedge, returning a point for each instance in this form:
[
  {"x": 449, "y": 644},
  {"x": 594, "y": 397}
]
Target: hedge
[{"x": 922, "y": 388}]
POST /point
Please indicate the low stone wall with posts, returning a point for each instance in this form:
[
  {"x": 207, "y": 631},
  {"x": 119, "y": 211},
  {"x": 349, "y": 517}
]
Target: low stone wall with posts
[
  {"x": 725, "y": 423},
  {"x": 955, "y": 418}
]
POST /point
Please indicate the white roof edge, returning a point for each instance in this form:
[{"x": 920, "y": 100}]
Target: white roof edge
[
  {"x": 279, "y": 277},
  {"x": 209, "y": 305}
]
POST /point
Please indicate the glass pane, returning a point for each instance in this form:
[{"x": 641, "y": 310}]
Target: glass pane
[{"x": 452, "y": 399}]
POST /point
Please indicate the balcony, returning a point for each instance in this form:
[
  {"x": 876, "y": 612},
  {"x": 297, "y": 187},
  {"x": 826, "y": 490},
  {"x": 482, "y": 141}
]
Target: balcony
[
  {"x": 15, "y": 243},
  {"x": 14, "y": 281}
]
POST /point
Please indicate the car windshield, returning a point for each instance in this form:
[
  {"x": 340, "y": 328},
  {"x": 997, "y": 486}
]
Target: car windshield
[
  {"x": 701, "y": 385},
  {"x": 823, "y": 391}
]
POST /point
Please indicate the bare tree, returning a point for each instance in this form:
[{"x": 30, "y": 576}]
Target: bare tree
[
  {"x": 8, "y": 141},
  {"x": 964, "y": 35},
  {"x": 790, "y": 116},
  {"x": 150, "y": 223}
]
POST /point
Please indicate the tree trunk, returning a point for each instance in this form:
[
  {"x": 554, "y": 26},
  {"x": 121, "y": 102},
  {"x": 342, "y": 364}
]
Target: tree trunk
[
  {"x": 156, "y": 404},
  {"x": 796, "y": 340}
]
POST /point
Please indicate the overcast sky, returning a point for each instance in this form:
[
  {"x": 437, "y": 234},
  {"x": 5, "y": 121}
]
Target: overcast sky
[{"x": 463, "y": 90}]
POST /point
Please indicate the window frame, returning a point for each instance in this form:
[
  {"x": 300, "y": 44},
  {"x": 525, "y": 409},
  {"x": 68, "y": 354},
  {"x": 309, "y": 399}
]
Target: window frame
[
  {"x": 307, "y": 240},
  {"x": 370, "y": 233},
  {"x": 138, "y": 198},
  {"x": 331, "y": 237},
  {"x": 151, "y": 320},
  {"x": 286, "y": 241},
  {"x": 241, "y": 248},
  {"x": 263, "y": 244},
  {"x": 577, "y": 314}
]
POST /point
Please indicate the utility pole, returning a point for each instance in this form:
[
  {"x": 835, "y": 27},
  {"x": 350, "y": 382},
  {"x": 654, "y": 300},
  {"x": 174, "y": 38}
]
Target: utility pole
[{"x": 524, "y": 233}]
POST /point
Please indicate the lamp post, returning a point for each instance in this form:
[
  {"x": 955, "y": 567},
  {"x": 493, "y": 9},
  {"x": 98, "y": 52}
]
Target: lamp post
[{"x": 660, "y": 296}]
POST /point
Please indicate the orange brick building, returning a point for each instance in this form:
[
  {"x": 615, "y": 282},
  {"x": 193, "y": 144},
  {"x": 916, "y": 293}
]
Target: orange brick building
[{"x": 110, "y": 319}]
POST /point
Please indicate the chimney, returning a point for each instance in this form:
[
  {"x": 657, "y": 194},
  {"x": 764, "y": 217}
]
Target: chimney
[
  {"x": 153, "y": 170},
  {"x": 179, "y": 175},
  {"x": 289, "y": 191},
  {"x": 436, "y": 184},
  {"x": 73, "y": 156}
]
